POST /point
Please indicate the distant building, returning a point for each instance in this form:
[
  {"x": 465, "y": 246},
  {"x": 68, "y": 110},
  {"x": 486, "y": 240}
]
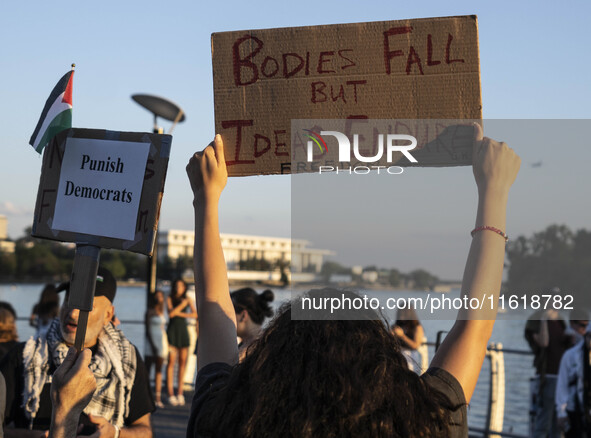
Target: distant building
[
  {"x": 370, "y": 276},
  {"x": 5, "y": 245},
  {"x": 241, "y": 248},
  {"x": 340, "y": 278},
  {"x": 3, "y": 227},
  {"x": 357, "y": 270}
]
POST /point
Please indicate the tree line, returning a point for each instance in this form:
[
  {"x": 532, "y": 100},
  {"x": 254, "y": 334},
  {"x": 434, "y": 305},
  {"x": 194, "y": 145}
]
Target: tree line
[
  {"x": 556, "y": 257},
  {"x": 418, "y": 279},
  {"x": 49, "y": 261}
]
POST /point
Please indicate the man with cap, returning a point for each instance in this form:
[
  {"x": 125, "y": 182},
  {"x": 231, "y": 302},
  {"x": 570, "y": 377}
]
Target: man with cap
[
  {"x": 122, "y": 403},
  {"x": 578, "y": 321}
]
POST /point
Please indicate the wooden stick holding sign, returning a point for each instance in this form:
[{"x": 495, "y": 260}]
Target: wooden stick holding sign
[{"x": 82, "y": 285}]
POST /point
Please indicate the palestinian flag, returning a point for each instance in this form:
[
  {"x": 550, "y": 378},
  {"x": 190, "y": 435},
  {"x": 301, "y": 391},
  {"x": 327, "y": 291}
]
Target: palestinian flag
[{"x": 56, "y": 115}]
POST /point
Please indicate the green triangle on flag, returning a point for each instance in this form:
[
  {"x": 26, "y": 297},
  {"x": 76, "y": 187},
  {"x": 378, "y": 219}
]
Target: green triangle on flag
[{"x": 57, "y": 113}]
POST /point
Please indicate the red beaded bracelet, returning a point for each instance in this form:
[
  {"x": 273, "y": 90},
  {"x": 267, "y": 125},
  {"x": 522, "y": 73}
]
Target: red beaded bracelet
[{"x": 486, "y": 227}]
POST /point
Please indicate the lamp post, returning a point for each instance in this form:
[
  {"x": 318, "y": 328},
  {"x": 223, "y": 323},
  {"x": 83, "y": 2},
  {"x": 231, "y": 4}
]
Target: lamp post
[{"x": 164, "y": 108}]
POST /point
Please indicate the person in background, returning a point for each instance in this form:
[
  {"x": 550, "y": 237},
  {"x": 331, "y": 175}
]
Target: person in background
[
  {"x": 545, "y": 331},
  {"x": 180, "y": 307},
  {"x": 570, "y": 389},
  {"x": 2, "y": 404},
  {"x": 156, "y": 347},
  {"x": 122, "y": 403},
  {"x": 8, "y": 331},
  {"x": 6, "y": 305},
  {"x": 578, "y": 319},
  {"x": 410, "y": 333},
  {"x": 345, "y": 377},
  {"x": 251, "y": 310},
  {"x": 45, "y": 310}
]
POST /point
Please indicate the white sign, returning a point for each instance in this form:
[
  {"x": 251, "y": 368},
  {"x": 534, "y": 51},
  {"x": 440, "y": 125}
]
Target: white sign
[{"x": 100, "y": 187}]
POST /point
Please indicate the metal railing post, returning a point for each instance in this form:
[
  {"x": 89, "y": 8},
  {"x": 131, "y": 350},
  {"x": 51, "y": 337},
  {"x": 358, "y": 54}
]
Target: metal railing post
[
  {"x": 424, "y": 355},
  {"x": 496, "y": 400}
]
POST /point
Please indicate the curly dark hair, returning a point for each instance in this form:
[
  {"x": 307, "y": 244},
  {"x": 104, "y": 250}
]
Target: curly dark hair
[{"x": 324, "y": 378}]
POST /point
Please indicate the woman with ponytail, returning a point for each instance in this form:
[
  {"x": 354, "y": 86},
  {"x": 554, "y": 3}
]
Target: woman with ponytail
[{"x": 251, "y": 310}]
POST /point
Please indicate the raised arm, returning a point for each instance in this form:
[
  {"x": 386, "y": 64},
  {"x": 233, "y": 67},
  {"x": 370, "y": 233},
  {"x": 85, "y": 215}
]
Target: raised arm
[
  {"x": 495, "y": 167},
  {"x": 542, "y": 337},
  {"x": 193, "y": 313},
  {"x": 217, "y": 320},
  {"x": 413, "y": 343},
  {"x": 178, "y": 310}
]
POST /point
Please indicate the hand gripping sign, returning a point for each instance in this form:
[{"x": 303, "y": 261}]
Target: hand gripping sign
[{"x": 100, "y": 189}]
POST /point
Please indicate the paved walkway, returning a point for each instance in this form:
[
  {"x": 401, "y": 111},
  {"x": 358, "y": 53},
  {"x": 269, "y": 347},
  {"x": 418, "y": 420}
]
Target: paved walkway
[{"x": 171, "y": 421}]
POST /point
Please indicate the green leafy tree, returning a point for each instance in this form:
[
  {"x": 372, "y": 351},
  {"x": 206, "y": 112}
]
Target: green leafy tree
[
  {"x": 547, "y": 259},
  {"x": 136, "y": 265},
  {"x": 254, "y": 264},
  {"x": 111, "y": 260},
  {"x": 36, "y": 261},
  {"x": 331, "y": 268},
  {"x": 166, "y": 269},
  {"x": 422, "y": 279},
  {"x": 7, "y": 265},
  {"x": 182, "y": 264},
  {"x": 394, "y": 277},
  {"x": 554, "y": 257}
]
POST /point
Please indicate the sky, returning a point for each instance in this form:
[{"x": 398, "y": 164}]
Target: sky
[{"x": 534, "y": 65}]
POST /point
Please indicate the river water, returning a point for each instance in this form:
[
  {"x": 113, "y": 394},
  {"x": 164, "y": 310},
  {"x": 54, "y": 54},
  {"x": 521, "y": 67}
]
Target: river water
[{"x": 130, "y": 306}]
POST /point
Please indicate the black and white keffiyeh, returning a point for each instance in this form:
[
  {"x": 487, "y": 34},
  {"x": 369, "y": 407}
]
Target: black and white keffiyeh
[{"x": 114, "y": 365}]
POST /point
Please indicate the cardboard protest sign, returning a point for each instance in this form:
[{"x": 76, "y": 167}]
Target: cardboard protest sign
[
  {"x": 408, "y": 69},
  {"x": 102, "y": 188}
]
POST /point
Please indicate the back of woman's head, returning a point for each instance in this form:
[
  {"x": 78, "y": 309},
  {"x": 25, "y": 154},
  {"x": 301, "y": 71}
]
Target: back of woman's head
[
  {"x": 49, "y": 295},
  {"x": 6, "y": 305},
  {"x": 257, "y": 305},
  {"x": 407, "y": 318},
  {"x": 154, "y": 303},
  {"x": 7, "y": 326},
  {"x": 324, "y": 378},
  {"x": 48, "y": 305}
]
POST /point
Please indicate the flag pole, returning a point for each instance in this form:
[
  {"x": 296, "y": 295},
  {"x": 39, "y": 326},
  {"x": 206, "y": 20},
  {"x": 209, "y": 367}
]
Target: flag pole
[{"x": 176, "y": 120}]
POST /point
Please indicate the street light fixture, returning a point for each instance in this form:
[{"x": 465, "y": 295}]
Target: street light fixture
[{"x": 159, "y": 107}]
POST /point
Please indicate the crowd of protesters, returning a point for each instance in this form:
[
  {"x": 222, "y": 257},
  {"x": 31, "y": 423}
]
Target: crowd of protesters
[{"x": 317, "y": 375}]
